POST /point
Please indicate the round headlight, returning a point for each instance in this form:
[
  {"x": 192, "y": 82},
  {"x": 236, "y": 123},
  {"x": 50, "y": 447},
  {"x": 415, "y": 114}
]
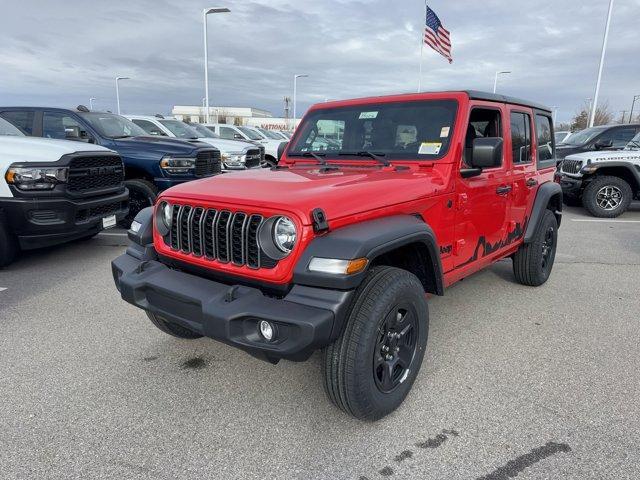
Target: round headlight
[
  {"x": 166, "y": 215},
  {"x": 163, "y": 218},
  {"x": 284, "y": 234}
]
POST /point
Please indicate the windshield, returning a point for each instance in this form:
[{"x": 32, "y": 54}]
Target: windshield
[
  {"x": 252, "y": 134},
  {"x": 9, "y": 129},
  {"x": 269, "y": 134},
  {"x": 404, "y": 130},
  {"x": 634, "y": 143},
  {"x": 584, "y": 136},
  {"x": 180, "y": 129},
  {"x": 203, "y": 132},
  {"x": 113, "y": 126},
  {"x": 560, "y": 136}
]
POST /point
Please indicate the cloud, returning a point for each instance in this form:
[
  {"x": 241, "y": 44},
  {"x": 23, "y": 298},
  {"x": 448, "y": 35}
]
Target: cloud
[{"x": 62, "y": 53}]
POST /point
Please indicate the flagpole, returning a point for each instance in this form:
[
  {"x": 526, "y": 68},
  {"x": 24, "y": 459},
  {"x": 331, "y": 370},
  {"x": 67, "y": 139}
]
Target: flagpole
[{"x": 422, "y": 49}]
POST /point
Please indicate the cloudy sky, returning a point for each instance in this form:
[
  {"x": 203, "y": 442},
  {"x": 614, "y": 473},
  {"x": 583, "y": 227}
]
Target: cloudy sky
[{"x": 60, "y": 53}]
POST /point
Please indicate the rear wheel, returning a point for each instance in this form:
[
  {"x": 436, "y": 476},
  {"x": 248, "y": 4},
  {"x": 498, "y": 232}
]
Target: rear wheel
[
  {"x": 369, "y": 370},
  {"x": 171, "y": 328},
  {"x": 8, "y": 245},
  {"x": 533, "y": 261},
  {"x": 142, "y": 194},
  {"x": 607, "y": 197}
]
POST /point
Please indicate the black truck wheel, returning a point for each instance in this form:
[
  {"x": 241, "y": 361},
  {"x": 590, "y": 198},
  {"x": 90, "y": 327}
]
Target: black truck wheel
[
  {"x": 171, "y": 328},
  {"x": 607, "y": 197},
  {"x": 532, "y": 263},
  {"x": 8, "y": 245},
  {"x": 369, "y": 370},
  {"x": 142, "y": 194}
]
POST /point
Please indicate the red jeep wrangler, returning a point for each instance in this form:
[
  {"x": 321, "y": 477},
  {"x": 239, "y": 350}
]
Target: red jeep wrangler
[{"x": 374, "y": 204}]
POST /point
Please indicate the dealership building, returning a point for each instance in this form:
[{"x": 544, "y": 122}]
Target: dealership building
[{"x": 253, "y": 117}]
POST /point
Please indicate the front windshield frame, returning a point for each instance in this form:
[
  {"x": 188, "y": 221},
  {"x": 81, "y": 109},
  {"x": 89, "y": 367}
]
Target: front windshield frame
[
  {"x": 251, "y": 133},
  {"x": 8, "y": 129},
  {"x": 179, "y": 129},
  {"x": 431, "y": 141},
  {"x": 129, "y": 129},
  {"x": 583, "y": 136}
]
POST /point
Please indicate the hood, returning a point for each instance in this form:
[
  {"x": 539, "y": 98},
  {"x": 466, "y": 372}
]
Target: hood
[
  {"x": 31, "y": 149},
  {"x": 606, "y": 156},
  {"x": 227, "y": 146},
  {"x": 164, "y": 145},
  {"x": 563, "y": 150},
  {"x": 300, "y": 190}
]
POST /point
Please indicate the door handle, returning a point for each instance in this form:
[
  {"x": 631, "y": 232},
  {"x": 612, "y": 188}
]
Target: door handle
[
  {"x": 532, "y": 182},
  {"x": 505, "y": 189}
]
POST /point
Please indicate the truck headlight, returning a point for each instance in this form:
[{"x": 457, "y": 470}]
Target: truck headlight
[
  {"x": 233, "y": 158},
  {"x": 277, "y": 237},
  {"x": 177, "y": 165},
  {"x": 164, "y": 218},
  {"x": 36, "y": 178}
]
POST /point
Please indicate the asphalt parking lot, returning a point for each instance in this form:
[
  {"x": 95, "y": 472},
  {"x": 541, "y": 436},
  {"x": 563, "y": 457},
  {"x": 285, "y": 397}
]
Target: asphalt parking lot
[{"x": 538, "y": 383}]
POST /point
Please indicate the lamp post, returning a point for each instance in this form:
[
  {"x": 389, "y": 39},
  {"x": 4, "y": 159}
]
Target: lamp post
[
  {"x": 604, "y": 51},
  {"x": 555, "y": 114},
  {"x": 295, "y": 95},
  {"x": 118, "y": 91},
  {"x": 495, "y": 81},
  {"x": 91, "y": 103},
  {"x": 633, "y": 104},
  {"x": 206, "y": 12}
]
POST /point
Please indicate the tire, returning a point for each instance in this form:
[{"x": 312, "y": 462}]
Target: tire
[
  {"x": 353, "y": 365},
  {"x": 142, "y": 194},
  {"x": 602, "y": 192},
  {"x": 533, "y": 262},
  {"x": 8, "y": 246},
  {"x": 171, "y": 328},
  {"x": 269, "y": 162}
]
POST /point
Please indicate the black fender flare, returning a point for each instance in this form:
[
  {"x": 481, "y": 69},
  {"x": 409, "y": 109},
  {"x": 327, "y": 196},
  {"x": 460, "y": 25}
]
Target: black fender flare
[
  {"x": 596, "y": 168},
  {"x": 545, "y": 193},
  {"x": 369, "y": 239}
]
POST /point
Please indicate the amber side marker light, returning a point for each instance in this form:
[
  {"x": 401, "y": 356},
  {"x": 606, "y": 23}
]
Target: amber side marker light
[
  {"x": 336, "y": 266},
  {"x": 10, "y": 176}
]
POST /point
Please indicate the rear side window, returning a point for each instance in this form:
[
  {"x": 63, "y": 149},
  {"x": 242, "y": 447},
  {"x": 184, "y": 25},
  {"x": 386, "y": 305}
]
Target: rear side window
[
  {"x": 544, "y": 131},
  {"x": 149, "y": 127},
  {"x": 21, "y": 120},
  {"x": 228, "y": 133},
  {"x": 520, "y": 137}
]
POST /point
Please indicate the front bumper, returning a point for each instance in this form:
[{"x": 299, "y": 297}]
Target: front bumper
[
  {"x": 571, "y": 186},
  {"x": 41, "y": 222},
  {"x": 304, "y": 318}
]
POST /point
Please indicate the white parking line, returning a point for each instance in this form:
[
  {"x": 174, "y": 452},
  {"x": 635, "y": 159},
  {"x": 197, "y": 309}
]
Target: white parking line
[{"x": 603, "y": 220}]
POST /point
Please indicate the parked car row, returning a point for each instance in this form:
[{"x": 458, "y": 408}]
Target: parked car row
[{"x": 91, "y": 170}]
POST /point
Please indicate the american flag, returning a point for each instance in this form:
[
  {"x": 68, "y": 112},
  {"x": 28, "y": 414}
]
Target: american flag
[{"x": 436, "y": 36}]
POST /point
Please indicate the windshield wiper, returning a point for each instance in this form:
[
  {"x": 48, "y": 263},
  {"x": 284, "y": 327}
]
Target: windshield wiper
[
  {"x": 366, "y": 153},
  {"x": 317, "y": 156}
]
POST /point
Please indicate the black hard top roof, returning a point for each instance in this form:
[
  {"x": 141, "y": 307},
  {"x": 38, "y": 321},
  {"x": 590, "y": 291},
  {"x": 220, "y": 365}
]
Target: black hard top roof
[{"x": 494, "y": 97}]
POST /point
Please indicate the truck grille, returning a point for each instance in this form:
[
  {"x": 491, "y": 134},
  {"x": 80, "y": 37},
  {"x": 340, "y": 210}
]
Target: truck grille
[
  {"x": 262, "y": 150},
  {"x": 571, "y": 166},
  {"x": 228, "y": 237},
  {"x": 208, "y": 163},
  {"x": 254, "y": 158},
  {"x": 94, "y": 173}
]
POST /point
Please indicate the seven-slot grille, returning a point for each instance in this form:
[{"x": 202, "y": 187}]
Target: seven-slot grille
[
  {"x": 222, "y": 235},
  {"x": 95, "y": 173},
  {"x": 571, "y": 166},
  {"x": 208, "y": 163},
  {"x": 253, "y": 158}
]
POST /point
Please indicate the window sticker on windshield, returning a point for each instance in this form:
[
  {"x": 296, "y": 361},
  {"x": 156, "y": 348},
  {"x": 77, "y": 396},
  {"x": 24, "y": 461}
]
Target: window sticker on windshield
[
  {"x": 444, "y": 133},
  {"x": 430, "y": 148},
  {"x": 368, "y": 115}
]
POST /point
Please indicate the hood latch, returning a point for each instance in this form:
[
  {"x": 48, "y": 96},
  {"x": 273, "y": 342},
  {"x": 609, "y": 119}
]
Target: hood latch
[{"x": 320, "y": 223}]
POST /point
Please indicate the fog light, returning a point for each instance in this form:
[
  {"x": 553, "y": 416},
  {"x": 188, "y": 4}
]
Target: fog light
[{"x": 266, "y": 329}]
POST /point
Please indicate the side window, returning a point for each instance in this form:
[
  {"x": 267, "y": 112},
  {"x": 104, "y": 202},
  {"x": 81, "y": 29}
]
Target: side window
[
  {"x": 21, "y": 120},
  {"x": 149, "y": 127},
  {"x": 622, "y": 136},
  {"x": 520, "y": 137},
  {"x": 62, "y": 127},
  {"x": 228, "y": 133},
  {"x": 483, "y": 122},
  {"x": 544, "y": 138}
]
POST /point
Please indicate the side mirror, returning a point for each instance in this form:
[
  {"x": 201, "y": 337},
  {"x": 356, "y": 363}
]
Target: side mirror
[
  {"x": 72, "y": 133},
  {"x": 281, "y": 148},
  {"x": 487, "y": 152},
  {"x": 602, "y": 144},
  {"x": 237, "y": 136}
]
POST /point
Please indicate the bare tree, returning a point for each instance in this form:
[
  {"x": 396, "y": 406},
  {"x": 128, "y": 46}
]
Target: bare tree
[{"x": 580, "y": 121}]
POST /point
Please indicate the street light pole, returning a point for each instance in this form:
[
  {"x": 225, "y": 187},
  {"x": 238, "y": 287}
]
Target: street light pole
[
  {"x": 206, "y": 12},
  {"x": 91, "y": 103},
  {"x": 604, "y": 51},
  {"x": 118, "y": 91},
  {"x": 635, "y": 97},
  {"x": 295, "y": 95},
  {"x": 495, "y": 81}
]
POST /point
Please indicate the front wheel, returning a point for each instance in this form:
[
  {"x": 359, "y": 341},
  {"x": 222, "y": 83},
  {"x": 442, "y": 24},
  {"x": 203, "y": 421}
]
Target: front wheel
[
  {"x": 142, "y": 194},
  {"x": 607, "y": 197},
  {"x": 533, "y": 261},
  {"x": 369, "y": 370}
]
